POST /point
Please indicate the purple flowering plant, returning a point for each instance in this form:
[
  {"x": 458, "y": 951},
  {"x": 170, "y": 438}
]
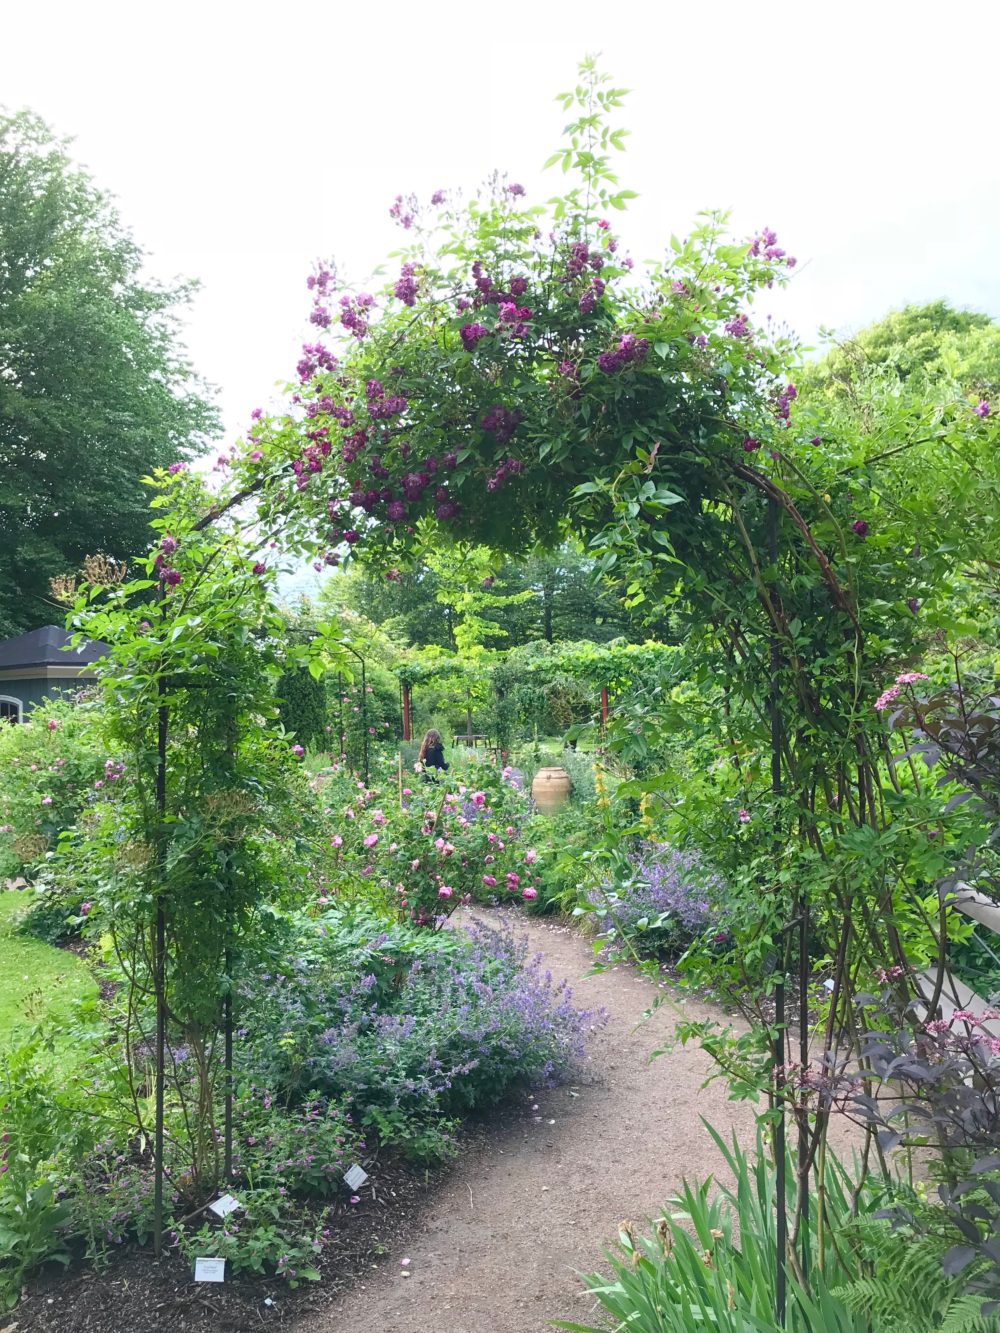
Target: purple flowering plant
[
  {"x": 407, "y": 1029},
  {"x": 661, "y": 900}
]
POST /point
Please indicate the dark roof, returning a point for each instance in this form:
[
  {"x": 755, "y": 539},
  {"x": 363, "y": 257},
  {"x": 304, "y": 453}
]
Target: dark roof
[{"x": 47, "y": 647}]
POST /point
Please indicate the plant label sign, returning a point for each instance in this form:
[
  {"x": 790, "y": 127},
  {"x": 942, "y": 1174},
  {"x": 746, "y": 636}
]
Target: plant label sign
[
  {"x": 355, "y": 1178},
  {"x": 224, "y": 1206},
  {"x": 210, "y": 1270}
]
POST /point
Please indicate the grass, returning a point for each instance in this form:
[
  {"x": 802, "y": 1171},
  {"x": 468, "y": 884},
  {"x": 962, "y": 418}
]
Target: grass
[{"x": 37, "y": 981}]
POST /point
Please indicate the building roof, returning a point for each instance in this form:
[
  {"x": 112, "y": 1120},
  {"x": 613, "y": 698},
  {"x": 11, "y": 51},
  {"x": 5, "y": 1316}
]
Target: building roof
[{"x": 46, "y": 647}]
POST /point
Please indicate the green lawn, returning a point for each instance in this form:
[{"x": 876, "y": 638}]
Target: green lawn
[{"x": 37, "y": 981}]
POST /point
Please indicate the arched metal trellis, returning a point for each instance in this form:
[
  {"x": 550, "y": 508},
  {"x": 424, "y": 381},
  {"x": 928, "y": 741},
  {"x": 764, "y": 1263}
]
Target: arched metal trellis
[{"x": 364, "y": 712}]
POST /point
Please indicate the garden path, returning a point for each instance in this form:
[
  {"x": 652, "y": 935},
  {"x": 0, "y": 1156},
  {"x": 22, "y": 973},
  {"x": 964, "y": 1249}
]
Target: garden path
[{"x": 497, "y": 1249}]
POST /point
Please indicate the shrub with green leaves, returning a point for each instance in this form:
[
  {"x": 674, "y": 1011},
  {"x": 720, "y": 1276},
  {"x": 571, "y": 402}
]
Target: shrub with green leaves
[{"x": 52, "y": 766}]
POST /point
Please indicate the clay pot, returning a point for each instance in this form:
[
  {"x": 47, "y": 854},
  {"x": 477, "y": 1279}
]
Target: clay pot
[{"x": 550, "y": 789}]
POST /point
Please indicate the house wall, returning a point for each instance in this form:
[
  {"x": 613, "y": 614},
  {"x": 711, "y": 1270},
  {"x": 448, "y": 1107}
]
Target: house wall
[{"x": 32, "y": 692}]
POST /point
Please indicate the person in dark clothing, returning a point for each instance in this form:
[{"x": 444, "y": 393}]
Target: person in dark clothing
[{"x": 431, "y": 756}]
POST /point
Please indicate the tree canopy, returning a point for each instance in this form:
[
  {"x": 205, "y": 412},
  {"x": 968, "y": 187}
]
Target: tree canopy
[
  {"x": 931, "y": 344},
  {"x": 549, "y": 595},
  {"x": 95, "y": 388}
]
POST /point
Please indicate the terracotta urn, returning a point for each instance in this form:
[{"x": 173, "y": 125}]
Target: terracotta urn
[{"x": 550, "y": 789}]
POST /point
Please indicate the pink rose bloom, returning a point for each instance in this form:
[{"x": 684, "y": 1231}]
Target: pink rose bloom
[
  {"x": 509, "y": 831},
  {"x": 491, "y": 837},
  {"x": 337, "y": 841},
  {"x": 439, "y": 844},
  {"x": 46, "y": 800},
  {"x": 529, "y": 856},
  {"x": 529, "y": 894},
  {"x": 513, "y": 881},
  {"x": 52, "y": 724},
  {"x": 444, "y": 891},
  {"x": 415, "y": 865},
  {"x": 744, "y": 816},
  {"x": 407, "y": 792},
  {"x": 378, "y": 817},
  {"x": 85, "y": 908},
  {"x": 479, "y": 799},
  {"x": 371, "y": 840},
  {"x": 490, "y": 881},
  {"x": 298, "y": 750}
]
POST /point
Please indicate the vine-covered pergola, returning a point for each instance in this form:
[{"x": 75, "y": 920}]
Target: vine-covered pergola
[{"x": 516, "y": 380}]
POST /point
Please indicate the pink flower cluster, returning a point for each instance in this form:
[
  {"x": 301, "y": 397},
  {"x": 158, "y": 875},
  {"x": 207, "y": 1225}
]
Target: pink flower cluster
[{"x": 893, "y": 692}]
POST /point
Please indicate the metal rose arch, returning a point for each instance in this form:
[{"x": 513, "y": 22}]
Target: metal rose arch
[{"x": 520, "y": 380}]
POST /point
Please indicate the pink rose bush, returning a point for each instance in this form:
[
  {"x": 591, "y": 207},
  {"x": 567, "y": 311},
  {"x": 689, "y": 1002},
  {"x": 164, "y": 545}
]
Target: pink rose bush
[{"x": 430, "y": 849}]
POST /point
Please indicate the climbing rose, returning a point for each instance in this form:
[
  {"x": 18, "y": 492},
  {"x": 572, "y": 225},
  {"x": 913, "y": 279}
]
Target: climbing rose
[
  {"x": 749, "y": 445},
  {"x": 860, "y": 527},
  {"x": 405, "y": 289},
  {"x": 471, "y": 334}
]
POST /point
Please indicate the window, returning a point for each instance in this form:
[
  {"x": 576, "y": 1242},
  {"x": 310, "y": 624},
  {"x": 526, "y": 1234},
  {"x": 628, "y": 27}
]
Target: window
[{"x": 10, "y": 708}]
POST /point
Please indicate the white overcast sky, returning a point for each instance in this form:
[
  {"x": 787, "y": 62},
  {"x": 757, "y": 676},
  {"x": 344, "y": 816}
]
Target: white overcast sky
[{"x": 245, "y": 140}]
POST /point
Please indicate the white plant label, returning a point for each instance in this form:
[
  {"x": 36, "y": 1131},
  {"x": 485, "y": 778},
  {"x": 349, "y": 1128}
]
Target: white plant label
[
  {"x": 224, "y": 1206},
  {"x": 356, "y": 1177},
  {"x": 210, "y": 1270}
]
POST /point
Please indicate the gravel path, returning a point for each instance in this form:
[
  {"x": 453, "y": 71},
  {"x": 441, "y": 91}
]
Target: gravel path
[{"x": 497, "y": 1249}]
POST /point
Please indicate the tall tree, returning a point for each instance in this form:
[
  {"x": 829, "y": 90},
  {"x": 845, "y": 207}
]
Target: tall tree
[
  {"x": 455, "y": 597},
  {"x": 95, "y": 388},
  {"x": 927, "y": 344}
]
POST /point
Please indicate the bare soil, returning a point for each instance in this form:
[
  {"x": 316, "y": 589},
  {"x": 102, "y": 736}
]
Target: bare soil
[{"x": 495, "y": 1242}]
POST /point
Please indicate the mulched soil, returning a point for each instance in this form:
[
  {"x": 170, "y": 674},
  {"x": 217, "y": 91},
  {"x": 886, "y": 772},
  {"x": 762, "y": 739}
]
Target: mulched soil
[{"x": 135, "y": 1293}]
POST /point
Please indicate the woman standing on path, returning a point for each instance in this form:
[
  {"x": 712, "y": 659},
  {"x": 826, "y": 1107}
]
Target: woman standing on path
[{"x": 431, "y": 756}]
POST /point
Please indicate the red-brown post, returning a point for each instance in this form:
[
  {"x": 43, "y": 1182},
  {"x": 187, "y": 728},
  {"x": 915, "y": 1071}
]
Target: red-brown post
[
  {"x": 406, "y": 712},
  {"x": 604, "y": 705}
]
